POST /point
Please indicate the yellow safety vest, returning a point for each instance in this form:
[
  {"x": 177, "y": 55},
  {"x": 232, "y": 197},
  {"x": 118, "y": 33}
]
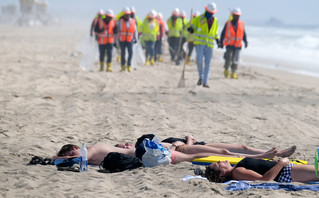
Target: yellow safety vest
[
  {"x": 147, "y": 34},
  {"x": 174, "y": 31},
  {"x": 186, "y": 25},
  {"x": 202, "y": 35}
]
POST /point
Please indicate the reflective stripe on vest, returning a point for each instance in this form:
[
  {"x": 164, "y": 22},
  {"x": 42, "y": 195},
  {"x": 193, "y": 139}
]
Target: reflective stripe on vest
[
  {"x": 233, "y": 38},
  {"x": 175, "y": 31},
  {"x": 127, "y": 34},
  {"x": 202, "y": 34},
  {"x": 108, "y": 35}
]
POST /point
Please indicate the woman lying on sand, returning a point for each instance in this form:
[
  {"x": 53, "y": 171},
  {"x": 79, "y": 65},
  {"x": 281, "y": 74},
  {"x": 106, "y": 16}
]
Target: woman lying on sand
[{"x": 258, "y": 169}]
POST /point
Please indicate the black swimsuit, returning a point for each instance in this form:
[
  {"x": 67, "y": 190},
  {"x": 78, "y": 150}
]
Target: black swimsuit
[{"x": 258, "y": 165}]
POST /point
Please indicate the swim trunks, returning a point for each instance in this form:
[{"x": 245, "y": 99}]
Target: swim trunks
[
  {"x": 173, "y": 157},
  {"x": 285, "y": 175}
]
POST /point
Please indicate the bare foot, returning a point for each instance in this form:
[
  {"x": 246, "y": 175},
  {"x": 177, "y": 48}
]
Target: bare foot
[
  {"x": 269, "y": 154},
  {"x": 287, "y": 152}
]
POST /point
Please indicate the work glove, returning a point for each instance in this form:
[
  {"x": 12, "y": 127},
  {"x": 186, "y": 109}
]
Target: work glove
[
  {"x": 190, "y": 30},
  {"x": 246, "y": 44}
]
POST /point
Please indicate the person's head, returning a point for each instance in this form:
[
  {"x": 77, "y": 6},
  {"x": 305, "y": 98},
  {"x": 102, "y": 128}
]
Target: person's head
[
  {"x": 125, "y": 145},
  {"x": 160, "y": 16},
  {"x": 196, "y": 14},
  {"x": 151, "y": 15},
  {"x": 69, "y": 150},
  {"x": 218, "y": 172},
  {"x": 183, "y": 14},
  {"x": 175, "y": 13},
  {"x": 100, "y": 14},
  {"x": 210, "y": 10},
  {"x": 133, "y": 10},
  {"x": 127, "y": 13},
  {"x": 109, "y": 15},
  {"x": 236, "y": 12}
]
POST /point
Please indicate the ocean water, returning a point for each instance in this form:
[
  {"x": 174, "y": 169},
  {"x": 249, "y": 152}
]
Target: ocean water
[{"x": 293, "y": 48}]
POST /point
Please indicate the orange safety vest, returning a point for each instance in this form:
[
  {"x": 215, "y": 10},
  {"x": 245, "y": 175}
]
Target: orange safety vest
[
  {"x": 126, "y": 34},
  {"x": 233, "y": 38},
  {"x": 97, "y": 21},
  {"x": 161, "y": 28},
  {"x": 108, "y": 35}
]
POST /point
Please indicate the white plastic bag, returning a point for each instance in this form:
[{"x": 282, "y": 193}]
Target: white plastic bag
[
  {"x": 90, "y": 50},
  {"x": 155, "y": 153},
  {"x": 138, "y": 56}
]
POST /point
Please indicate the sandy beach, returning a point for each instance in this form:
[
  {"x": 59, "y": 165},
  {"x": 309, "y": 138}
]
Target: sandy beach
[{"x": 47, "y": 100}]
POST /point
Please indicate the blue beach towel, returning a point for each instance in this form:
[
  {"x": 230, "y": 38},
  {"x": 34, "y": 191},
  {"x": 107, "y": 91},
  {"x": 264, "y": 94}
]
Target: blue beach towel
[{"x": 275, "y": 186}]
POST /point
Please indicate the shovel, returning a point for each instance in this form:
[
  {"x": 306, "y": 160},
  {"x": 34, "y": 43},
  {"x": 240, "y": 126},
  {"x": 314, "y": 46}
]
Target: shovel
[{"x": 181, "y": 82}]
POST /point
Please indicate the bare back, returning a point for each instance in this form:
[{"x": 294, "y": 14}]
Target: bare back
[{"x": 98, "y": 152}]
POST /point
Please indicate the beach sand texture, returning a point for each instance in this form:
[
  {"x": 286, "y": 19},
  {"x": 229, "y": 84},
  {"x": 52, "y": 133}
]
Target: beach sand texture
[{"x": 47, "y": 100}]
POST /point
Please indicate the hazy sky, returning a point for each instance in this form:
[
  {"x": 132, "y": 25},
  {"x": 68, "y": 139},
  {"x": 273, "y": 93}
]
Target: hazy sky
[{"x": 288, "y": 11}]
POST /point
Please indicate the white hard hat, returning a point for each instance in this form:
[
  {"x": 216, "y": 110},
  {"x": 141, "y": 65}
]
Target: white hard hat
[
  {"x": 133, "y": 10},
  {"x": 160, "y": 15},
  {"x": 195, "y": 14},
  {"x": 109, "y": 13},
  {"x": 175, "y": 12},
  {"x": 211, "y": 7},
  {"x": 101, "y": 12},
  {"x": 126, "y": 10},
  {"x": 183, "y": 13},
  {"x": 236, "y": 11},
  {"x": 152, "y": 14}
]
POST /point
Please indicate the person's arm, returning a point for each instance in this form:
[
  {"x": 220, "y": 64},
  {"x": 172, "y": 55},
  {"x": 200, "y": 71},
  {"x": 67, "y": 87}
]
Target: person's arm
[
  {"x": 63, "y": 157},
  {"x": 245, "y": 39},
  {"x": 222, "y": 36},
  {"x": 242, "y": 173},
  {"x": 190, "y": 140}
]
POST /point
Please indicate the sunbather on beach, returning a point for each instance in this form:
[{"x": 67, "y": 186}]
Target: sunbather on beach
[
  {"x": 232, "y": 148},
  {"x": 258, "y": 169},
  {"x": 183, "y": 152},
  {"x": 96, "y": 153}
]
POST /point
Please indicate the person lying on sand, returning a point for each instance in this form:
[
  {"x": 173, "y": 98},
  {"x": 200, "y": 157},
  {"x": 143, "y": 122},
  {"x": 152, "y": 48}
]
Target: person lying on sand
[
  {"x": 96, "y": 153},
  {"x": 231, "y": 148},
  {"x": 258, "y": 169},
  {"x": 183, "y": 152}
]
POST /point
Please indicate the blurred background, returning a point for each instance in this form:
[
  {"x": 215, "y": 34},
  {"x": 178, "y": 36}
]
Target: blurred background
[{"x": 285, "y": 31}]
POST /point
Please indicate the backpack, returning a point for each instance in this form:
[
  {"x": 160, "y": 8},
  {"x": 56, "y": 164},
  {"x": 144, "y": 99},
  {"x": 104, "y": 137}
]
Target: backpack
[{"x": 118, "y": 162}]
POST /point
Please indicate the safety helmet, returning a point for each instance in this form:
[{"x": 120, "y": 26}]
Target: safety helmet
[
  {"x": 152, "y": 14},
  {"x": 175, "y": 12},
  {"x": 195, "y": 14},
  {"x": 101, "y": 12},
  {"x": 211, "y": 7},
  {"x": 126, "y": 10},
  {"x": 133, "y": 10},
  {"x": 160, "y": 16},
  {"x": 109, "y": 13},
  {"x": 236, "y": 11},
  {"x": 183, "y": 14}
]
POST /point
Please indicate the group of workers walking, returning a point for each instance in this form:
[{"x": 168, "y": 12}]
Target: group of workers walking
[{"x": 200, "y": 33}]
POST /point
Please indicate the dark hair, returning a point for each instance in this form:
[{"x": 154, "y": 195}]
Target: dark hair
[
  {"x": 140, "y": 139},
  {"x": 214, "y": 175},
  {"x": 66, "y": 148}
]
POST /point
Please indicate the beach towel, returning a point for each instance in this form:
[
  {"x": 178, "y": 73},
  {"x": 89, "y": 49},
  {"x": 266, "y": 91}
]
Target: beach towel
[{"x": 275, "y": 186}]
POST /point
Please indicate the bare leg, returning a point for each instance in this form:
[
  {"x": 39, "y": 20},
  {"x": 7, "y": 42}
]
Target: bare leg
[
  {"x": 303, "y": 173},
  {"x": 195, "y": 149},
  {"x": 239, "y": 148}
]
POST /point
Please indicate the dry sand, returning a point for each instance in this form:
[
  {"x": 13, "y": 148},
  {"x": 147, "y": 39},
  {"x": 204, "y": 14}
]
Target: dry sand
[{"x": 47, "y": 101}]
